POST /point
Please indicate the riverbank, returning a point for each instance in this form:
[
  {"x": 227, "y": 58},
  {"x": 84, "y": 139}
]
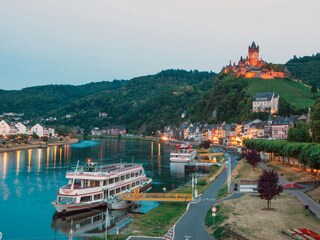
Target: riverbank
[
  {"x": 158, "y": 221},
  {"x": 12, "y": 147},
  {"x": 128, "y": 137}
]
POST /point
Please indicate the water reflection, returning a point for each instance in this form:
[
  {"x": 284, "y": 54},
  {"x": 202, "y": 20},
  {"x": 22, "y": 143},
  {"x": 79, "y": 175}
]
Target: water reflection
[
  {"x": 177, "y": 170},
  {"x": 92, "y": 223}
]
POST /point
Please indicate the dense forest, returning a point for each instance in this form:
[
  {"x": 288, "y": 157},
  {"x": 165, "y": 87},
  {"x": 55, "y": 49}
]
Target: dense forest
[{"x": 305, "y": 68}]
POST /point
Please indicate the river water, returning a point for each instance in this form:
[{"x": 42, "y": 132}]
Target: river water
[{"x": 29, "y": 180}]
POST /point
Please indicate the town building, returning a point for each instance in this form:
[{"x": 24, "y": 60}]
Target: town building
[
  {"x": 265, "y": 102},
  {"x": 254, "y": 67}
]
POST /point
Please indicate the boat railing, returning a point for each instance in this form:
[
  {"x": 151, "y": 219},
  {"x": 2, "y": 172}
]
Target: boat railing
[{"x": 104, "y": 171}]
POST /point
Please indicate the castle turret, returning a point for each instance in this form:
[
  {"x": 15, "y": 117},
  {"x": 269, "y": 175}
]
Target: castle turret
[{"x": 253, "y": 53}]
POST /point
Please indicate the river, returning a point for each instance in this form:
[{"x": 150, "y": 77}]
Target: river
[{"x": 30, "y": 178}]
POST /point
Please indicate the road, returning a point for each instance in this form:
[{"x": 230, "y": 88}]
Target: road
[{"x": 191, "y": 225}]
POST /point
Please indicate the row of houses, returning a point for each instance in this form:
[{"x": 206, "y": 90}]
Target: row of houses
[
  {"x": 112, "y": 130},
  {"x": 233, "y": 134},
  {"x": 14, "y": 128}
]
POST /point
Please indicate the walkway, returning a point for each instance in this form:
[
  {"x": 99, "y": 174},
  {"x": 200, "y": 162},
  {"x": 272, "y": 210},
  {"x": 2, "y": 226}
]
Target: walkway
[
  {"x": 191, "y": 225},
  {"x": 301, "y": 196}
]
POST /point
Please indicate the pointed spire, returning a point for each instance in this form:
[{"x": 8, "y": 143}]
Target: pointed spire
[{"x": 253, "y": 45}]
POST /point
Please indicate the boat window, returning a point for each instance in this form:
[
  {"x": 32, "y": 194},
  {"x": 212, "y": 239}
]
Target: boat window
[
  {"x": 85, "y": 183},
  {"x": 97, "y": 218},
  {"x": 94, "y": 184},
  {"x": 122, "y": 178},
  {"x": 66, "y": 200},
  {"x": 117, "y": 179},
  {"x": 111, "y": 180},
  {"x": 97, "y": 196},
  {"x": 86, "y": 199}
]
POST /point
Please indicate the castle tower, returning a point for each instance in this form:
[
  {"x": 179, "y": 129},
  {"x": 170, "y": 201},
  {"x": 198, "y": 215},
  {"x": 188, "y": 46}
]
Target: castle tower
[{"x": 253, "y": 53}]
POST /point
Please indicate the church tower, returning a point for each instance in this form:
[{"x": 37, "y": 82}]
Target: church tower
[{"x": 253, "y": 53}]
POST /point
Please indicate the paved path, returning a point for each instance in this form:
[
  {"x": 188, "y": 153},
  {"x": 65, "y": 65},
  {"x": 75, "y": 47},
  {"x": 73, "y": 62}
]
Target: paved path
[
  {"x": 191, "y": 225},
  {"x": 301, "y": 196}
]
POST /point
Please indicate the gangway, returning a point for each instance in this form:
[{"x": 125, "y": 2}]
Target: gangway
[{"x": 160, "y": 197}]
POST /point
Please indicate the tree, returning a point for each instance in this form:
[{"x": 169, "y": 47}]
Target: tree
[
  {"x": 268, "y": 186},
  {"x": 253, "y": 158},
  {"x": 314, "y": 89},
  {"x": 299, "y": 134}
]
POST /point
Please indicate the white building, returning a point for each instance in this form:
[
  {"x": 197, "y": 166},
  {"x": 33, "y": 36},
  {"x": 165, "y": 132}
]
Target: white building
[
  {"x": 265, "y": 102},
  {"x": 4, "y": 127},
  {"x": 38, "y": 129},
  {"x": 21, "y": 128}
]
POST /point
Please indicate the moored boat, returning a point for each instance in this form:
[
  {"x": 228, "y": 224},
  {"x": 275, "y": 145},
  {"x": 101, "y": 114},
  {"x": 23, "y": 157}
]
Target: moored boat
[
  {"x": 92, "y": 185},
  {"x": 184, "y": 153}
]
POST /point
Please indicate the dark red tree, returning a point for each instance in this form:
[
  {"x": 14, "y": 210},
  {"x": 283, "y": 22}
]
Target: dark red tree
[
  {"x": 253, "y": 158},
  {"x": 268, "y": 186}
]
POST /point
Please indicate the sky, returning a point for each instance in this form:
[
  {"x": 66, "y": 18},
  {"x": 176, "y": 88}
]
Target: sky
[{"x": 76, "y": 41}]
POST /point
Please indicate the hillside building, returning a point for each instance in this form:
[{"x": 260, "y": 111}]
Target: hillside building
[
  {"x": 265, "y": 102},
  {"x": 254, "y": 67}
]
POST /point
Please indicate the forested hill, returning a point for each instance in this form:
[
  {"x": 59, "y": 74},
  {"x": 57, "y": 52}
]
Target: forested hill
[
  {"x": 305, "y": 68},
  {"x": 144, "y": 103},
  {"x": 38, "y": 101}
]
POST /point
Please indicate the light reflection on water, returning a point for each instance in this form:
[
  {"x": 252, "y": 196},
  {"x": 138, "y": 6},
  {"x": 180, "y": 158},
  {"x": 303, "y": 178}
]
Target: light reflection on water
[{"x": 29, "y": 180}]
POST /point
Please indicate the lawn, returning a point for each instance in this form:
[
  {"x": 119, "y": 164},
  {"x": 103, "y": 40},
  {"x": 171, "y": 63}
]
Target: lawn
[
  {"x": 246, "y": 217},
  {"x": 295, "y": 93},
  {"x": 292, "y": 174},
  {"x": 156, "y": 222}
]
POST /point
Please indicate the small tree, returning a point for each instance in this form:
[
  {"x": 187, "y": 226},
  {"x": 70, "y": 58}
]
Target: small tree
[
  {"x": 253, "y": 158},
  {"x": 268, "y": 186},
  {"x": 314, "y": 89}
]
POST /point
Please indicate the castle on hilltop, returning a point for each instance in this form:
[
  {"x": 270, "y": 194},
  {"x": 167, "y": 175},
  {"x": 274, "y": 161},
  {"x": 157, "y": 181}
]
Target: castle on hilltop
[{"x": 253, "y": 67}]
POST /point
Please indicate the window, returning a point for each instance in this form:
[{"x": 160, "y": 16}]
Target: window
[
  {"x": 117, "y": 179},
  {"x": 86, "y": 199},
  {"x": 97, "y": 196},
  {"x": 117, "y": 190},
  {"x": 105, "y": 182},
  {"x": 66, "y": 200},
  {"x": 132, "y": 174},
  {"x": 127, "y": 176},
  {"x": 122, "y": 178},
  {"x": 111, "y": 180}
]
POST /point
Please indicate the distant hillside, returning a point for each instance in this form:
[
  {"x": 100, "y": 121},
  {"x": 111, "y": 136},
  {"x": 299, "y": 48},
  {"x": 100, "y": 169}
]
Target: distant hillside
[
  {"x": 37, "y": 101},
  {"x": 144, "y": 103},
  {"x": 306, "y": 68},
  {"x": 295, "y": 93}
]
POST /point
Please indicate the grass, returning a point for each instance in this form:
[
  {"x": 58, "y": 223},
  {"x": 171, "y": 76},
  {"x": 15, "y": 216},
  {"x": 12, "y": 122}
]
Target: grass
[
  {"x": 214, "y": 224},
  {"x": 246, "y": 216},
  {"x": 223, "y": 192},
  {"x": 295, "y": 93},
  {"x": 244, "y": 171},
  {"x": 156, "y": 222},
  {"x": 291, "y": 173},
  {"x": 314, "y": 194}
]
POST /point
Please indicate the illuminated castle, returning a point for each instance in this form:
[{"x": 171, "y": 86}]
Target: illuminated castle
[{"x": 253, "y": 67}]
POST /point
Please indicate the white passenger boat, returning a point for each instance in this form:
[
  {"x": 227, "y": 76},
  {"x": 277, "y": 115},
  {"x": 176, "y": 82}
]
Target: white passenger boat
[
  {"x": 93, "y": 186},
  {"x": 184, "y": 153}
]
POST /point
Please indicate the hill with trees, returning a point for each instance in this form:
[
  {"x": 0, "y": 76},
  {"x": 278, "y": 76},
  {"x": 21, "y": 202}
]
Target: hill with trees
[
  {"x": 305, "y": 68},
  {"x": 148, "y": 103}
]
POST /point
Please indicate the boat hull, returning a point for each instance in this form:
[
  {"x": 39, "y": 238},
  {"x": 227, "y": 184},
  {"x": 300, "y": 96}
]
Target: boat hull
[{"x": 67, "y": 208}]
